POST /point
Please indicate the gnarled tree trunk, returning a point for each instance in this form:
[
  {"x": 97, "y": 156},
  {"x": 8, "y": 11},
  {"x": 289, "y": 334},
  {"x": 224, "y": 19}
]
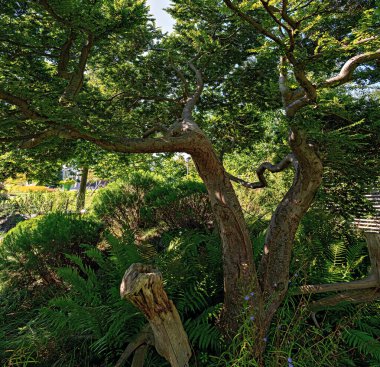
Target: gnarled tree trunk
[
  {"x": 238, "y": 267},
  {"x": 274, "y": 266}
]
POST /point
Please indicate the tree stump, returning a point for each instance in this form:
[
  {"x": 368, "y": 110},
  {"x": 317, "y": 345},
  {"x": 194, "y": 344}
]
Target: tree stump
[{"x": 142, "y": 285}]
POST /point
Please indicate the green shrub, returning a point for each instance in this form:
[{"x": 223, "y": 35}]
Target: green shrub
[
  {"x": 19, "y": 308},
  {"x": 119, "y": 204},
  {"x": 36, "y": 203},
  {"x": 91, "y": 318},
  {"x": 7, "y": 206},
  {"x": 180, "y": 204},
  {"x": 36, "y": 247},
  {"x": 86, "y": 325},
  {"x": 145, "y": 201}
]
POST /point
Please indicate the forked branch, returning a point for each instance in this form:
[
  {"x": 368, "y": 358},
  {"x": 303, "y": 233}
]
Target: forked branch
[
  {"x": 192, "y": 100},
  {"x": 294, "y": 100},
  {"x": 64, "y": 56},
  {"x": 76, "y": 78},
  {"x": 253, "y": 22}
]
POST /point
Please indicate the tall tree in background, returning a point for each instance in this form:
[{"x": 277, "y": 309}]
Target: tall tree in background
[{"x": 99, "y": 72}]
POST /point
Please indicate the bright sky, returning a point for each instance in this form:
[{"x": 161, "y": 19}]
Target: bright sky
[{"x": 163, "y": 19}]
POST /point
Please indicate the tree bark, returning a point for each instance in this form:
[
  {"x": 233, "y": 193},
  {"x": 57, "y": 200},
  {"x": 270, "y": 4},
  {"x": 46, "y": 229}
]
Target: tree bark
[
  {"x": 239, "y": 270},
  {"x": 274, "y": 266},
  {"x": 373, "y": 244},
  {"x": 81, "y": 198}
]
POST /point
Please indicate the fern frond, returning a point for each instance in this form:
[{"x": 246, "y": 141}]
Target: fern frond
[
  {"x": 258, "y": 244},
  {"x": 355, "y": 253},
  {"x": 369, "y": 325},
  {"x": 202, "y": 331},
  {"x": 364, "y": 342},
  {"x": 123, "y": 252},
  {"x": 192, "y": 298},
  {"x": 337, "y": 253}
]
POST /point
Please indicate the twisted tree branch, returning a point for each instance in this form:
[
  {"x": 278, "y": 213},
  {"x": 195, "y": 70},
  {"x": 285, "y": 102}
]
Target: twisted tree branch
[
  {"x": 182, "y": 142},
  {"x": 185, "y": 84},
  {"x": 274, "y": 168},
  {"x": 192, "y": 101},
  {"x": 345, "y": 74},
  {"x": 292, "y": 100}
]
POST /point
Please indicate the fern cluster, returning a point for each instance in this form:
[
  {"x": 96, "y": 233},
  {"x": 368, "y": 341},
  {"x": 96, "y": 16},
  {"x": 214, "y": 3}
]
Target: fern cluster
[
  {"x": 76, "y": 317},
  {"x": 83, "y": 321}
]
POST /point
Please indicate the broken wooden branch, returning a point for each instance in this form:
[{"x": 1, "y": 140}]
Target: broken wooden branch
[{"x": 142, "y": 285}]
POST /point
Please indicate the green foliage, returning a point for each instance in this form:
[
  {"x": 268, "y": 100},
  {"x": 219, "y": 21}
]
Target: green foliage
[
  {"x": 36, "y": 247},
  {"x": 239, "y": 351},
  {"x": 191, "y": 265},
  {"x": 327, "y": 249},
  {"x": 44, "y": 169},
  {"x": 119, "y": 204},
  {"x": 67, "y": 326},
  {"x": 179, "y": 204},
  {"x": 92, "y": 312},
  {"x": 293, "y": 335},
  {"x": 365, "y": 343},
  {"x": 37, "y": 203},
  {"x": 144, "y": 200},
  {"x": 84, "y": 321},
  {"x": 7, "y": 206},
  {"x": 89, "y": 323},
  {"x": 19, "y": 307},
  {"x": 133, "y": 79}
]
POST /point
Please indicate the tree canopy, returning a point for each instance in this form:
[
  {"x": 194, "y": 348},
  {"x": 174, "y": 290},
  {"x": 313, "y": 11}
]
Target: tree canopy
[{"x": 297, "y": 77}]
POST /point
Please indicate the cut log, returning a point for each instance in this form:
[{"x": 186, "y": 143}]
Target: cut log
[{"x": 142, "y": 285}]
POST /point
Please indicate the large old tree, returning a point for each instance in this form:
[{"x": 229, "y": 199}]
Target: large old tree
[{"x": 98, "y": 71}]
